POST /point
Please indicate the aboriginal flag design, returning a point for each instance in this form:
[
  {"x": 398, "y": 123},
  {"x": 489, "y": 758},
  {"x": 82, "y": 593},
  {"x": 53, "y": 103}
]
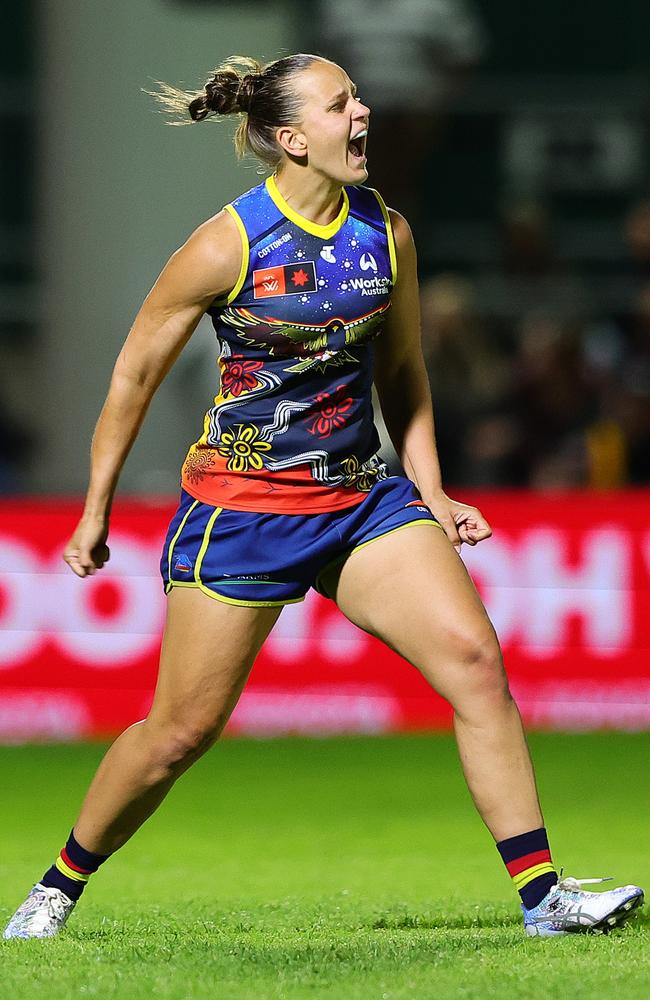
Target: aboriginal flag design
[{"x": 286, "y": 279}]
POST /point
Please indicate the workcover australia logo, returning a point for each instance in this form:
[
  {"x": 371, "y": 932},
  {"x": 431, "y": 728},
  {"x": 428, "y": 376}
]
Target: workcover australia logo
[
  {"x": 286, "y": 279},
  {"x": 377, "y": 285}
]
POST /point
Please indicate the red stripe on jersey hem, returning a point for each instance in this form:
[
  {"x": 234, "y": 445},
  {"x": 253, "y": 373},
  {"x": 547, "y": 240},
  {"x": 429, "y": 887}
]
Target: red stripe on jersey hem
[{"x": 257, "y": 505}]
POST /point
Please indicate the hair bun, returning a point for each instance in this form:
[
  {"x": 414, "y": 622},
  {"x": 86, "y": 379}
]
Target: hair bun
[
  {"x": 221, "y": 93},
  {"x": 246, "y": 91}
]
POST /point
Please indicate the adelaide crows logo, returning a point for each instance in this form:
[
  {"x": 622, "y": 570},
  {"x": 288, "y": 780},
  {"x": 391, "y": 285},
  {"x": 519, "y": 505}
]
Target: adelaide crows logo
[{"x": 286, "y": 279}]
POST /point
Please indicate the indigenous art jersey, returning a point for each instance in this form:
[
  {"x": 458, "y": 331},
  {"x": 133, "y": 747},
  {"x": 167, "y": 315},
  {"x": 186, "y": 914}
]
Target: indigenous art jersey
[{"x": 292, "y": 429}]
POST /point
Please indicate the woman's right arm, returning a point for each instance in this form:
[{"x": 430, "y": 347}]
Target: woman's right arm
[{"x": 205, "y": 267}]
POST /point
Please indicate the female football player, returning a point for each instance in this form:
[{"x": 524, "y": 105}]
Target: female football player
[{"x": 311, "y": 284}]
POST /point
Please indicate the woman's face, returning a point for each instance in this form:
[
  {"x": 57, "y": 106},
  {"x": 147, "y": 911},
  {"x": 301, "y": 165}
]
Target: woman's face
[{"x": 334, "y": 126}]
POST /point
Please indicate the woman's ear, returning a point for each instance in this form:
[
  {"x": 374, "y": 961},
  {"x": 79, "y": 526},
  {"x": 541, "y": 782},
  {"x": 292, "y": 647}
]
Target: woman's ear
[{"x": 291, "y": 141}]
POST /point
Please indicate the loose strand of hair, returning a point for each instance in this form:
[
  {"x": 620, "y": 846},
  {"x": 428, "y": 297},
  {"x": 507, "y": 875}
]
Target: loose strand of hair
[{"x": 174, "y": 101}]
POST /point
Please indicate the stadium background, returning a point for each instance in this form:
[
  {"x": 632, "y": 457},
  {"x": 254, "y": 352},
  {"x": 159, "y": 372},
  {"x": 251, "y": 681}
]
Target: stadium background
[{"x": 524, "y": 168}]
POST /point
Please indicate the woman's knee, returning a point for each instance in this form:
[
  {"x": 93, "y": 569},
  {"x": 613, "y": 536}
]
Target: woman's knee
[
  {"x": 479, "y": 670},
  {"x": 176, "y": 744}
]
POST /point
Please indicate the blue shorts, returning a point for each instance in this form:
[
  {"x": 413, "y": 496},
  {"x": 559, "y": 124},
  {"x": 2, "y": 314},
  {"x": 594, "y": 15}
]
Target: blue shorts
[{"x": 242, "y": 557}]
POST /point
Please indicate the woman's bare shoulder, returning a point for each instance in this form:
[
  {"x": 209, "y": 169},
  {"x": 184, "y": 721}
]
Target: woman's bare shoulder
[
  {"x": 218, "y": 236},
  {"x": 401, "y": 229},
  {"x": 211, "y": 256}
]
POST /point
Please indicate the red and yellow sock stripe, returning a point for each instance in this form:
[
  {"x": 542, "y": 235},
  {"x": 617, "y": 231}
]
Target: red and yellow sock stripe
[
  {"x": 69, "y": 869},
  {"x": 530, "y": 866}
]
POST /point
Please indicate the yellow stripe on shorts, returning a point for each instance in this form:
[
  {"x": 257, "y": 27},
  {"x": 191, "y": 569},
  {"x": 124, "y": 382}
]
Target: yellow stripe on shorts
[{"x": 173, "y": 543}]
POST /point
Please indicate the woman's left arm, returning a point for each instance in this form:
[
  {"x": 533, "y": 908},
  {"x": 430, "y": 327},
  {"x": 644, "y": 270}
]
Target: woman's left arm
[{"x": 403, "y": 388}]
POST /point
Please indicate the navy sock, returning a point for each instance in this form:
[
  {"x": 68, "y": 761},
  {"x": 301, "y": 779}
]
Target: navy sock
[
  {"x": 528, "y": 860},
  {"x": 72, "y": 869}
]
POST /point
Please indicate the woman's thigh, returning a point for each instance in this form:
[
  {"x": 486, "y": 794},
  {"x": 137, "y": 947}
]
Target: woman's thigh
[
  {"x": 411, "y": 590},
  {"x": 207, "y": 653}
]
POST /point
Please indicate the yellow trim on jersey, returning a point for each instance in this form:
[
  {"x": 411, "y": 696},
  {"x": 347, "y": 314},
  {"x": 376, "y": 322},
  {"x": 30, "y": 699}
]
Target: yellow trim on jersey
[
  {"x": 173, "y": 543},
  {"x": 245, "y": 257},
  {"x": 206, "y": 421},
  {"x": 299, "y": 220},
  {"x": 523, "y": 878},
  {"x": 392, "y": 252}
]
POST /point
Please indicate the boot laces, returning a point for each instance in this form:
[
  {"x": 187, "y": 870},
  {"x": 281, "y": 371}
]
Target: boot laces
[{"x": 571, "y": 884}]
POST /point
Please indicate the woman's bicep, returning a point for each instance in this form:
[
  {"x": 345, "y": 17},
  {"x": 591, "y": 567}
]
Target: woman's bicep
[{"x": 204, "y": 268}]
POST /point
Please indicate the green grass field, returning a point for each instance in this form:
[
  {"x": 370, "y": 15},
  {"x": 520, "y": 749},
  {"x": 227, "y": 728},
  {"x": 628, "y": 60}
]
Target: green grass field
[{"x": 348, "y": 868}]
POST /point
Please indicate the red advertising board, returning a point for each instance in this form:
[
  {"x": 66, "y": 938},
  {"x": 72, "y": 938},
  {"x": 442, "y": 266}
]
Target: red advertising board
[{"x": 565, "y": 578}]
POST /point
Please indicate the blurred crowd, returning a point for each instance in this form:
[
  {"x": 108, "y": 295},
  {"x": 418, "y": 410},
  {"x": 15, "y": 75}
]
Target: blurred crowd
[{"x": 535, "y": 382}]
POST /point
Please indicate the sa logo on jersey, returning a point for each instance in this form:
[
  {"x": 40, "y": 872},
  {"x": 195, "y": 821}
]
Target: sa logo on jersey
[{"x": 286, "y": 279}]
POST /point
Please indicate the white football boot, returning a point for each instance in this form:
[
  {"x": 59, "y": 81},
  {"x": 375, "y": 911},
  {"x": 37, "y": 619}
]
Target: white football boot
[
  {"x": 42, "y": 915},
  {"x": 568, "y": 909}
]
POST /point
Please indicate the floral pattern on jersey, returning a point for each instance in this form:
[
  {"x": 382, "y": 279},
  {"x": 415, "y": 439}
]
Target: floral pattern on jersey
[
  {"x": 361, "y": 476},
  {"x": 237, "y": 375},
  {"x": 331, "y": 409},
  {"x": 243, "y": 448},
  {"x": 197, "y": 463}
]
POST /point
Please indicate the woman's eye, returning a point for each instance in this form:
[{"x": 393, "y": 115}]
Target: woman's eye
[{"x": 342, "y": 105}]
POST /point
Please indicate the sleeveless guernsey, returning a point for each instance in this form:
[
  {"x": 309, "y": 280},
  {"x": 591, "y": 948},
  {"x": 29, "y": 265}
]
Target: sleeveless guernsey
[{"x": 292, "y": 429}]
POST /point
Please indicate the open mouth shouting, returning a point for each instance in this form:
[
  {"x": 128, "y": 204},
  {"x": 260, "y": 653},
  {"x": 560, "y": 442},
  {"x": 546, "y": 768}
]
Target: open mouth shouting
[{"x": 357, "y": 147}]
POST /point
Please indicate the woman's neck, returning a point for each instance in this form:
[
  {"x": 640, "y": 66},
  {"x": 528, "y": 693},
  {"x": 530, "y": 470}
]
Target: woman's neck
[{"x": 311, "y": 195}]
